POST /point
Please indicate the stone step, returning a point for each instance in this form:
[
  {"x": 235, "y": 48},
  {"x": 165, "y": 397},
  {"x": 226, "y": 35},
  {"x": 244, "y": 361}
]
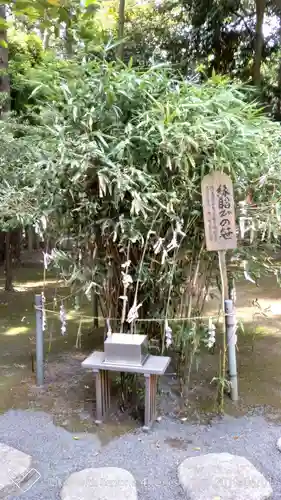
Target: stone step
[
  {"x": 222, "y": 476},
  {"x": 15, "y": 467},
  {"x": 105, "y": 483}
]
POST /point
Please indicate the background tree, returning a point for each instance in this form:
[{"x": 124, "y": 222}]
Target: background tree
[{"x": 121, "y": 26}]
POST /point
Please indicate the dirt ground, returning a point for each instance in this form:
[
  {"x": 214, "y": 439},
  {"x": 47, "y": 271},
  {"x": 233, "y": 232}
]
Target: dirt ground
[{"x": 68, "y": 393}]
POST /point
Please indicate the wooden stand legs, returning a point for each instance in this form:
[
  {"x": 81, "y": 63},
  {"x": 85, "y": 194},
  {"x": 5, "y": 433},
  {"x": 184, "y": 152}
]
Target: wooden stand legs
[
  {"x": 150, "y": 400},
  {"x": 103, "y": 397},
  {"x": 102, "y": 394}
]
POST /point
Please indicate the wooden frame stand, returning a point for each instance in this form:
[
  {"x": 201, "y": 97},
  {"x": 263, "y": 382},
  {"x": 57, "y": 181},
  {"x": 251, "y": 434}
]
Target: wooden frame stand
[{"x": 151, "y": 369}]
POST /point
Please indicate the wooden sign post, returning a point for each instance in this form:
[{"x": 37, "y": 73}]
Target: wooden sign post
[
  {"x": 219, "y": 214},
  {"x": 220, "y": 234}
]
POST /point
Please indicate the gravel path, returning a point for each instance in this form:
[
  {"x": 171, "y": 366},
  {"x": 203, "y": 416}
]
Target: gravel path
[{"x": 152, "y": 458}]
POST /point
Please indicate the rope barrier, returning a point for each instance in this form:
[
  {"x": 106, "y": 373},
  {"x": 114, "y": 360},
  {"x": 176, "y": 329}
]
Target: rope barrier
[
  {"x": 62, "y": 297},
  {"x": 142, "y": 320}
]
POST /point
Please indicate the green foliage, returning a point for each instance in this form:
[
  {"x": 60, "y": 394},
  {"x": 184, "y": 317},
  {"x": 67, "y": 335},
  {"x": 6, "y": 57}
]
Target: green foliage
[
  {"x": 24, "y": 47},
  {"x": 19, "y": 204},
  {"x": 117, "y": 157},
  {"x": 113, "y": 156},
  {"x": 271, "y": 90},
  {"x": 25, "y": 52}
]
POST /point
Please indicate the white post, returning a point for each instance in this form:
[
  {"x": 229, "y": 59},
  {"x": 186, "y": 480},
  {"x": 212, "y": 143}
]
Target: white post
[
  {"x": 39, "y": 342},
  {"x": 231, "y": 347}
]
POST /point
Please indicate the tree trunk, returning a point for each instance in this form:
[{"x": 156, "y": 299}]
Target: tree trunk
[
  {"x": 68, "y": 43},
  {"x": 69, "y": 36},
  {"x": 36, "y": 241},
  {"x": 45, "y": 32},
  {"x": 2, "y": 247},
  {"x": 46, "y": 38},
  {"x": 16, "y": 244},
  {"x": 95, "y": 308},
  {"x": 121, "y": 25},
  {"x": 259, "y": 41},
  {"x": 29, "y": 234},
  {"x": 8, "y": 263}
]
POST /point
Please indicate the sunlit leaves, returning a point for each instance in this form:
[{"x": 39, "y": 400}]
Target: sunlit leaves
[
  {"x": 113, "y": 148},
  {"x": 54, "y": 2},
  {"x": 3, "y": 23}
]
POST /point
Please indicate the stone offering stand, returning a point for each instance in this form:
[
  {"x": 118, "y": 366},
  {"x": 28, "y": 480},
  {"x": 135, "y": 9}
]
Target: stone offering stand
[{"x": 126, "y": 353}]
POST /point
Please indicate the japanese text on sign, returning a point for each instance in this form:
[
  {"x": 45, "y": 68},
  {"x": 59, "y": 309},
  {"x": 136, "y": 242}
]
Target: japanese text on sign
[
  {"x": 219, "y": 216},
  {"x": 224, "y": 203}
]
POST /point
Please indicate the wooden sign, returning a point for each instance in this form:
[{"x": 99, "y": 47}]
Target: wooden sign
[{"x": 219, "y": 214}]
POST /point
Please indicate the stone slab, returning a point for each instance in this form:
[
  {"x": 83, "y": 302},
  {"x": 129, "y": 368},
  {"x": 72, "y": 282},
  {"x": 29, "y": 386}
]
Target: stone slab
[
  {"x": 154, "y": 365},
  {"x": 105, "y": 483},
  {"x": 14, "y": 465},
  {"x": 222, "y": 476}
]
